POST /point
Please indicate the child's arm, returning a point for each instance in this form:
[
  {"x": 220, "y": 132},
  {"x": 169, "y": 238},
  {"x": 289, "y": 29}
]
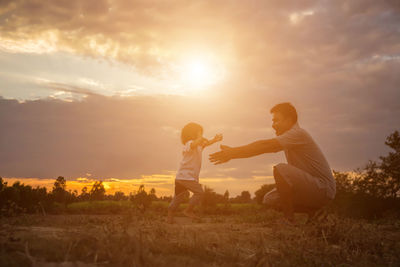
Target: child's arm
[
  {"x": 217, "y": 138},
  {"x": 198, "y": 142}
]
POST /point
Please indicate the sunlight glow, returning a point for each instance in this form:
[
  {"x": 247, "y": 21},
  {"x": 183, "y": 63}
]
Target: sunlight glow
[
  {"x": 44, "y": 43},
  {"x": 200, "y": 73}
]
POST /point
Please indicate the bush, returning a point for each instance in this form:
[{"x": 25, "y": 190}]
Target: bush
[
  {"x": 141, "y": 199},
  {"x": 209, "y": 199},
  {"x": 260, "y": 193}
]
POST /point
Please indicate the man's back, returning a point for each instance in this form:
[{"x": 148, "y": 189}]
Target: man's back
[{"x": 302, "y": 152}]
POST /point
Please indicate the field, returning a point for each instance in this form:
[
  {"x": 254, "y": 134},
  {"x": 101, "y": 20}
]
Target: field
[{"x": 248, "y": 236}]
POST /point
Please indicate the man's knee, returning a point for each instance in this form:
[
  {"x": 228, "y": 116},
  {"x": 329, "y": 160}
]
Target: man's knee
[{"x": 278, "y": 170}]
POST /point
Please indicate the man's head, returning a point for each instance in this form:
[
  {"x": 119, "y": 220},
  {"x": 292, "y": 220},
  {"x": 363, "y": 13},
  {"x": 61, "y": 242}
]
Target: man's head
[{"x": 284, "y": 116}]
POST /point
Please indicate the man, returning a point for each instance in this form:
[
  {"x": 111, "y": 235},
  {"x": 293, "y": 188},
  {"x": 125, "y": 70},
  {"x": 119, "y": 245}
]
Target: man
[{"x": 305, "y": 183}]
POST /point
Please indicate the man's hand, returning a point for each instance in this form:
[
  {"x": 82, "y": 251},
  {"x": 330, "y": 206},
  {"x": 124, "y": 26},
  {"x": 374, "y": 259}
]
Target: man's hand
[
  {"x": 253, "y": 149},
  {"x": 225, "y": 155}
]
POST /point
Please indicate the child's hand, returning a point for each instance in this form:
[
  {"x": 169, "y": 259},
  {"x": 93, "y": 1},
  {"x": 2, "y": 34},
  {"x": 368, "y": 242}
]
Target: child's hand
[{"x": 218, "y": 137}]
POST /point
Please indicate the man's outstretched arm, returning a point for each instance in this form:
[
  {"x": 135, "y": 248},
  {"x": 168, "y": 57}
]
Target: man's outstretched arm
[{"x": 247, "y": 151}]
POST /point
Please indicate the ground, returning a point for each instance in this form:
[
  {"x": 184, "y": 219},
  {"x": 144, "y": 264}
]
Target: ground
[{"x": 134, "y": 239}]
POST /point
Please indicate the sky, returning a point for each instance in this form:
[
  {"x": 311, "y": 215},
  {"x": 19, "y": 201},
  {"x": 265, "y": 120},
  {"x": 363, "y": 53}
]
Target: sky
[{"x": 101, "y": 89}]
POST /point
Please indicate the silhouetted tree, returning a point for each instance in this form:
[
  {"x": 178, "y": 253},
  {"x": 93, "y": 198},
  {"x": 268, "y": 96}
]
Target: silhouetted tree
[
  {"x": 210, "y": 198},
  {"x": 373, "y": 190},
  {"x": 141, "y": 199},
  {"x": 71, "y": 196},
  {"x": 260, "y": 193},
  {"x": 245, "y": 196},
  {"x": 344, "y": 184},
  {"x": 98, "y": 191},
  {"x": 60, "y": 184},
  {"x": 381, "y": 179},
  {"x": 59, "y": 190},
  {"x": 22, "y": 198},
  {"x": 119, "y": 195},
  {"x": 84, "y": 196},
  {"x": 390, "y": 165},
  {"x": 152, "y": 194},
  {"x": 226, "y": 195},
  {"x": 3, "y": 184}
]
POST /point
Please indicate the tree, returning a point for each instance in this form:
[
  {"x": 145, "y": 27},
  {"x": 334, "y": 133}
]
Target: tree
[
  {"x": 152, "y": 194},
  {"x": 381, "y": 179},
  {"x": 245, "y": 196},
  {"x": 260, "y": 193},
  {"x": 59, "y": 189},
  {"x": 97, "y": 192},
  {"x": 370, "y": 180},
  {"x": 2, "y": 184},
  {"x": 344, "y": 183},
  {"x": 373, "y": 190},
  {"x": 119, "y": 195},
  {"x": 22, "y": 198},
  {"x": 390, "y": 165},
  {"x": 84, "y": 194},
  {"x": 226, "y": 195},
  {"x": 141, "y": 199},
  {"x": 60, "y": 184},
  {"x": 210, "y": 198}
]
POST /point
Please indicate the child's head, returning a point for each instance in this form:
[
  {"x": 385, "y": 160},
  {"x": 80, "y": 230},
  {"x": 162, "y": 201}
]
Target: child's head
[{"x": 191, "y": 131}]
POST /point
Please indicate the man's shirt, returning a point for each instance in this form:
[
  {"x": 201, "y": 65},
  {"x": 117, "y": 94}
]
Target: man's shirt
[{"x": 302, "y": 152}]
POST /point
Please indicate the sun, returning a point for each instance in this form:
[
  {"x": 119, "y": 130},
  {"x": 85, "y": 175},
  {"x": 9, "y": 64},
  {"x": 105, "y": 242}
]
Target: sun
[
  {"x": 197, "y": 72},
  {"x": 200, "y": 73}
]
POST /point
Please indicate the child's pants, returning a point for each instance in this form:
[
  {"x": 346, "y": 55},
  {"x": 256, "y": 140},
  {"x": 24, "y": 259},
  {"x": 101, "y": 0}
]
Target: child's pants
[{"x": 181, "y": 189}]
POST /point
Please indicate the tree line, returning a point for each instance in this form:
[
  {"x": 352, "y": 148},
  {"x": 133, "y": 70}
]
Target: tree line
[{"x": 20, "y": 198}]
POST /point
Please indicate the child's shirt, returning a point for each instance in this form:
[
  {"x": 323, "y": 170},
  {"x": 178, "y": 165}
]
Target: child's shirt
[{"x": 190, "y": 165}]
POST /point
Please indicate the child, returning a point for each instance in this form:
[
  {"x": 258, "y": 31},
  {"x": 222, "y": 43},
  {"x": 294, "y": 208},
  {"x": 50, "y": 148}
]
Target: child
[{"x": 187, "y": 177}]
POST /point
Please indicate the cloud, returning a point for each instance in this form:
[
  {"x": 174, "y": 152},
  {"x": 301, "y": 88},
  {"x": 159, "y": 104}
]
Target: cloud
[
  {"x": 256, "y": 42},
  {"x": 59, "y": 87},
  {"x": 251, "y": 36}
]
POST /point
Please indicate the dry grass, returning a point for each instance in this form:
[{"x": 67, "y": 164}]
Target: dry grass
[{"x": 137, "y": 240}]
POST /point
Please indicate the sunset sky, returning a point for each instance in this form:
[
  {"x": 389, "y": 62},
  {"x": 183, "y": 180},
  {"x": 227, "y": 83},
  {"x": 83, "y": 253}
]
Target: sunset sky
[{"x": 100, "y": 89}]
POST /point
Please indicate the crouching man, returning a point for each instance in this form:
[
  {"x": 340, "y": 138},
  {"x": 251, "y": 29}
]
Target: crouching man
[{"x": 305, "y": 183}]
